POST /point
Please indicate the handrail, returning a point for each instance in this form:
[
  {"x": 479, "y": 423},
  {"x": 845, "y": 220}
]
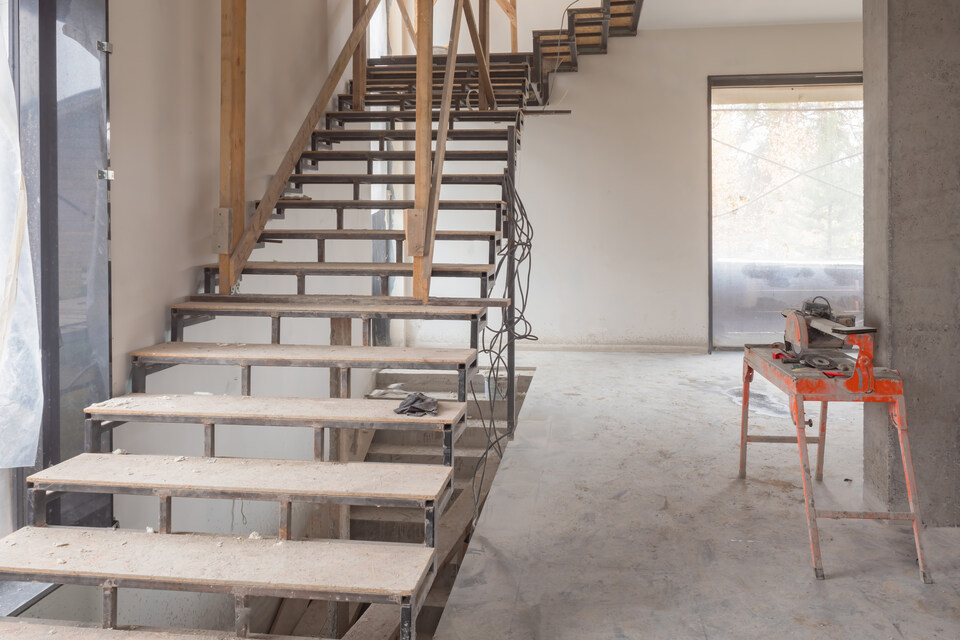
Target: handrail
[
  {"x": 275, "y": 187},
  {"x": 423, "y": 265}
]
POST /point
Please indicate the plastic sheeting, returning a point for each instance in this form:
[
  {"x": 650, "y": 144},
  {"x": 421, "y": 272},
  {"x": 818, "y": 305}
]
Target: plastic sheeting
[{"x": 21, "y": 390}]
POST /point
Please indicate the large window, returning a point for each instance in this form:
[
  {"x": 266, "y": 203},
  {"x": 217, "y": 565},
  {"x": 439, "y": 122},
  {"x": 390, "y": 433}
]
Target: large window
[{"x": 787, "y": 201}]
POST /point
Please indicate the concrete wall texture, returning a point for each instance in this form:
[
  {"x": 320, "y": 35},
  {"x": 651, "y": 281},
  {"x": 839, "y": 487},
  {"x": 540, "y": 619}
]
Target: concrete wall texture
[{"x": 912, "y": 249}]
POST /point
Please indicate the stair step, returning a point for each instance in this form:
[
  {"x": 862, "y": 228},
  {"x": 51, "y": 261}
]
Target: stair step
[
  {"x": 30, "y": 629},
  {"x": 377, "y": 269},
  {"x": 451, "y": 155},
  {"x": 373, "y": 205},
  {"x": 409, "y": 115},
  {"x": 396, "y": 178},
  {"x": 289, "y": 355},
  {"x": 457, "y": 98},
  {"x": 372, "y": 234},
  {"x": 314, "y": 569},
  {"x": 373, "y": 135},
  {"x": 269, "y": 411},
  {"x": 353, "y": 483},
  {"x": 393, "y": 84}
]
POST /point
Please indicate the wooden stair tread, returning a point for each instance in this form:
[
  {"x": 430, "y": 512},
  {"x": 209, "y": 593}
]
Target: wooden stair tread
[
  {"x": 452, "y": 155},
  {"x": 462, "y": 205},
  {"x": 369, "y": 234},
  {"x": 407, "y": 134},
  {"x": 215, "y": 563},
  {"x": 504, "y": 115},
  {"x": 309, "y": 309},
  {"x": 253, "y": 479},
  {"x": 302, "y": 355},
  {"x": 253, "y": 410},
  {"x": 395, "y": 178},
  {"x": 390, "y": 269},
  {"x": 30, "y": 629}
]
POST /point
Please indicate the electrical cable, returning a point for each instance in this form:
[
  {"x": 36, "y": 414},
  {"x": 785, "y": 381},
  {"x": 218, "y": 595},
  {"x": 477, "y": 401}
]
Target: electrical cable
[
  {"x": 563, "y": 17},
  {"x": 495, "y": 342}
]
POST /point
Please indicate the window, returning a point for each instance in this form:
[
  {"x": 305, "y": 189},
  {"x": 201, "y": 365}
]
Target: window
[{"x": 786, "y": 202}]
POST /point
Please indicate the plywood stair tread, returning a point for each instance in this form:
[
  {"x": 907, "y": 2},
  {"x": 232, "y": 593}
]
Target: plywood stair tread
[
  {"x": 395, "y": 178},
  {"x": 500, "y": 115},
  {"x": 420, "y": 450},
  {"x": 254, "y": 410},
  {"x": 310, "y": 309},
  {"x": 407, "y": 134},
  {"x": 452, "y": 155},
  {"x": 392, "y": 269},
  {"x": 302, "y": 355},
  {"x": 368, "y": 234},
  {"x": 29, "y": 629},
  {"x": 254, "y": 479},
  {"x": 215, "y": 563},
  {"x": 457, "y": 205}
]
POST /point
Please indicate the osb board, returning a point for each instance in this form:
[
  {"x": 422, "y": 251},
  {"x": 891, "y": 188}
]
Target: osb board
[
  {"x": 397, "y": 269},
  {"x": 221, "y": 409},
  {"x": 17, "y": 629},
  {"x": 326, "y": 308},
  {"x": 268, "y": 479},
  {"x": 215, "y": 563}
]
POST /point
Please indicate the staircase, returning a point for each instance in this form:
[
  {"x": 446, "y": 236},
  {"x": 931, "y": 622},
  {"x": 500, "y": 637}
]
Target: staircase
[{"x": 390, "y": 497}]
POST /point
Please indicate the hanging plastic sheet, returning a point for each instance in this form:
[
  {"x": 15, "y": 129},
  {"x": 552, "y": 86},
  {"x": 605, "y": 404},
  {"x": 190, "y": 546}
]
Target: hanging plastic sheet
[{"x": 21, "y": 391}]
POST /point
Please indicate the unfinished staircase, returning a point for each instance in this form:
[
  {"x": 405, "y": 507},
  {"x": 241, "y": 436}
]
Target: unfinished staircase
[{"x": 391, "y": 497}]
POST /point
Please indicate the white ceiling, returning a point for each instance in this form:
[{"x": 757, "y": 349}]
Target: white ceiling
[{"x": 689, "y": 14}]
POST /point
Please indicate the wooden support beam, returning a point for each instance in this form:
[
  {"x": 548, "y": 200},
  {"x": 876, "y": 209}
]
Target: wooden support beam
[
  {"x": 279, "y": 180},
  {"x": 483, "y": 21},
  {"x": 233, "y": 88},
  {"x": 510, "y": 9},
  {"x": 407, "y": 22},
  {"x": 488, "y": 100},
  {"x": 359, "y": 61},
  {"x": 423, "y": 266},
  {"x": 423, "y": 142}
]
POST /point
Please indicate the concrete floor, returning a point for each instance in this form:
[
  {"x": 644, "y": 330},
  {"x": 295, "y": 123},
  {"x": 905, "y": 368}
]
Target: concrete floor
[{"x": 617, "y": 513}]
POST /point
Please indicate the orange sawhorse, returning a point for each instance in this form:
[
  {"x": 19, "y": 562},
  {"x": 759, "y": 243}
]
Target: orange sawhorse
[{"x": 866, "y": 384}]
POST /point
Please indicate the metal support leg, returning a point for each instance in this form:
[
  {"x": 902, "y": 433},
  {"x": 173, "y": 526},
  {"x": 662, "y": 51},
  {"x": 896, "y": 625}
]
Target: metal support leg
[
  {"x": 744, "y": 417},
  {"x": 109, "y": 620},
  {"x": 399, "y": 256},
  {"x": 474, "y": 334},
  {"x": 318, "y": 443},
  {"x": 340, "y": 211},
  {"x": 242, "y": 608},
  {"x": 138, "y": 378},
  {"x": 166, "y": 514},
  {"x": 462, "y": 385},
  {"x": 366, "y": 326},
  {"x": 898, "y": 412},
  {"x": 321, "y": 250},
  {"x": 302, "y": 283},
  {"x": 448, "y": 446},
  {"x": 176, "y": 326},
  {"x": 92, "y": 436},
  {"x": 286, "y": 517},
  {"x": 430, "y": 525},
  {"x": 209, "y": 440},
  {"x": 384, "y": 285},
  {"x": 37, "y": 506},
  {"x": 408, "y": 630},
  {"x": 797, "y": 407},
  {"x": 275, "y": 329},
  {"x": 822, "y": 440},
  {"x": 245, "y": 380}
]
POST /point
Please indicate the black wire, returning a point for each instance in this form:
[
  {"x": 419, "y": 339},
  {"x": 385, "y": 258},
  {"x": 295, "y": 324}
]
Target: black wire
[{"x": 495, "y": 342}]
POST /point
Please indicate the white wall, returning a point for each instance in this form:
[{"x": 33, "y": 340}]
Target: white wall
[{"x": 618, "y": 190}]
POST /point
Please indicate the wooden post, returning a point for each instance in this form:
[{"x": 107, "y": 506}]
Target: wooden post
[
  {"x": 233, "y": 89},
  {"x": 424, "y": 139},
  {"x": 514, "y": 45},
  {"x": 359, "y": 60},
  {"x": 487, "y": 98},
  {"x": 407, "y": 22},
  {"x": 483, "y": 8}
]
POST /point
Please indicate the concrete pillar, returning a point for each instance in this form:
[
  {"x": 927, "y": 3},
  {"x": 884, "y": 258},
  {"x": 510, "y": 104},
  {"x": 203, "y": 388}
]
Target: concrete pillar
[{"x": 912, "y": 243}]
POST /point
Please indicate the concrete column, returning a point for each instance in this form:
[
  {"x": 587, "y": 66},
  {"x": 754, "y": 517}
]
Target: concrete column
[{"x": 912, "y": 243}]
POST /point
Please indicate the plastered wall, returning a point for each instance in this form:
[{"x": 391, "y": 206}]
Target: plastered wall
[{"x": 618, "y": 189}]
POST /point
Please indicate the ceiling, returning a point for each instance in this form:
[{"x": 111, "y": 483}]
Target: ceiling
[{"x": 690, "y": 14}]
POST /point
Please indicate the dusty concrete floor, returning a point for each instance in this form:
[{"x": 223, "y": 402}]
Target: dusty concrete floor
[{"x": 617, "y": 513}]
